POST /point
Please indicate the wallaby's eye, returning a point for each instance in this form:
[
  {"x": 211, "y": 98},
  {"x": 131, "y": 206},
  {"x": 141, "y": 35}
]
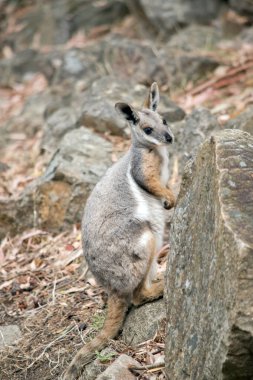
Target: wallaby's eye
[
  {"x": 164, "y": 122},
  {"x": 148, "y": 130}
]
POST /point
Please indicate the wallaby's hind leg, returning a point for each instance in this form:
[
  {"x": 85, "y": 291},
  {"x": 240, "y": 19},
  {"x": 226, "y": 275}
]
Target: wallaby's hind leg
[
  {"x": 143, "y": 294},
  {"x": 148, "y": 290}
]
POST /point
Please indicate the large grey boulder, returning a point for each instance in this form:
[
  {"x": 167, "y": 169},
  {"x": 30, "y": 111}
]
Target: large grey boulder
[
  {"x": 98, "y": 110},
  {"x": 60, "y": 122},
  {"x": 59, "y": 67},
  {"x": 15, "y": 68},
  {"x": 56, "y": 199},
  {"x": 142, "y": 63},
  {"x": 165, "y": 17},
  {"x": 30, "y": 120},
  {"x": 189, "y": 134},
  {"x": 209, "y": 287},
  {"x": 244, "y": 121},
  {"x": 115, "y": 55},
  {"x": 202, "y": 37},
  {"x": 55, "y": 23}
]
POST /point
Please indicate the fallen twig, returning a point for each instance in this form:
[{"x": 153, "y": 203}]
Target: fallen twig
[{"x": 148, "y": 367}]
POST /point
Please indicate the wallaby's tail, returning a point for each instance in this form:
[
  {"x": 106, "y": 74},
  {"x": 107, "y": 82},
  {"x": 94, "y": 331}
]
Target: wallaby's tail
[{"x": 117, "y": 308}]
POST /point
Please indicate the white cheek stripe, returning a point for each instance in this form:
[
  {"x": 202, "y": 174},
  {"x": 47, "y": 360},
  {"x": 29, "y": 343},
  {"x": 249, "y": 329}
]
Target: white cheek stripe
[{"x": 151, "y": 139}]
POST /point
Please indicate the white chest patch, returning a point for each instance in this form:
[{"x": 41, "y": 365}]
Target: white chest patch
[
  {"x": 142, "y": 211},
  {"x": 148, "y": 209},
  {"x": 165, "y": 165}
]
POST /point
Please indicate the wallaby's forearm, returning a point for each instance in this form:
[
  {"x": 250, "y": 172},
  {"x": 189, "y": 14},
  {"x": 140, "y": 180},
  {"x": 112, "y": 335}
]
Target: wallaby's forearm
[{"x": 147, "y": 175}]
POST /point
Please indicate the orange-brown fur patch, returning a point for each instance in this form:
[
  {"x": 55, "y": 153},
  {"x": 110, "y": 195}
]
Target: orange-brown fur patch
[
  {"x": 151, "y": 170},
  {"x": 143, "y": 294}
]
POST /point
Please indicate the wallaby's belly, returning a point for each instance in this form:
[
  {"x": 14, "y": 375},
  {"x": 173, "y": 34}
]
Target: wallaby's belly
[
  {"x": 148, "y": 209},
  {"x": 157, "y": 220}
]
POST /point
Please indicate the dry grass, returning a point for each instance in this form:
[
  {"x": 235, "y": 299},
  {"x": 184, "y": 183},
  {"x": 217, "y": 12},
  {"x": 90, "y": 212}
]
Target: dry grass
[{"x": 47, "y": 290}]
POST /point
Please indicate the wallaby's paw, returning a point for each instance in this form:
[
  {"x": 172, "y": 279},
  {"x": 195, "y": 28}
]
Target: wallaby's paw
[
  {"x": 169, "y": 201},
  {"x": 168, "y": 204}
]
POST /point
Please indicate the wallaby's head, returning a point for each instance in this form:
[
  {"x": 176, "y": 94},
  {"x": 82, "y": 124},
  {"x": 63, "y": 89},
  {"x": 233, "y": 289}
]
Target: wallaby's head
[{"x": 147, "y": 126}]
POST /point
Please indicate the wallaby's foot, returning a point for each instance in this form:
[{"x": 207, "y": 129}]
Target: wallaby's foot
[{"x": 143, "y": 294}]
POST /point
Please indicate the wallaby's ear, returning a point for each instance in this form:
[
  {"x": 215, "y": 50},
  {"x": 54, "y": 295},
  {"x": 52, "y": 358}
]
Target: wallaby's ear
[
  {"x": 153, "y": 97},
  {"x": 128, "y": 112}
]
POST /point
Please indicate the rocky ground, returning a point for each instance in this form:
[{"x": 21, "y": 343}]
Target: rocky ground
[{"x": 63, "y": 65}]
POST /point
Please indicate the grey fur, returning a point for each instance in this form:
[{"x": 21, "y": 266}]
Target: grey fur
[
  {"x": 109, "y": 231},
  {"x": 112, "y": 229}
]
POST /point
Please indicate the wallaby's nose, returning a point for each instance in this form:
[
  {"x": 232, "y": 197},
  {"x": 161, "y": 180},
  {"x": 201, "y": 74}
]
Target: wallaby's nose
[{"x": 168, "y": 137}]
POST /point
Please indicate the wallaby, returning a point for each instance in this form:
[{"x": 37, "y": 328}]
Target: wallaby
[{"x": 123, "y": 223}]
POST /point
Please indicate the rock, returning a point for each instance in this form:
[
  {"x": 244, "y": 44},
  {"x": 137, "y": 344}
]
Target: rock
[
  {"x": 86, "y": 15},
  {"x": 9, "y": 335},
  {"x": 94, "y": 369},
  {"x": 56, "y": 200},
  {"x": 244, "y": 121},
  {"x": 190, "y": 67},
  {"x": 189, "y": 134},
  {"x": 246, "y": 36},
  {"x": 55, "y": 23},
  {"x": 202, "y": 38},
  {"x": 81, "y": 160},
  {"x": 26, "y": 123},
  {"x": 57, "y": 125},
  {"x": 99, "y": 112},
  {"x": 244, "y": 7},
  {"x": 209, "y": 288},
  {"x": 118, "y": 370},
  {"x": 138, "y": 60},
  {"x": 84, "y": 64},
  {"x": 13, "y": 69},
  {"x": 166, "y": 17},
  {"x": 135, "y": 331},
  {"x": 134, "y": 59},
  {"x": 30, "y": 121},
  {"x": 126, "y": 59},
  {"x": 59, "y": 67}
]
